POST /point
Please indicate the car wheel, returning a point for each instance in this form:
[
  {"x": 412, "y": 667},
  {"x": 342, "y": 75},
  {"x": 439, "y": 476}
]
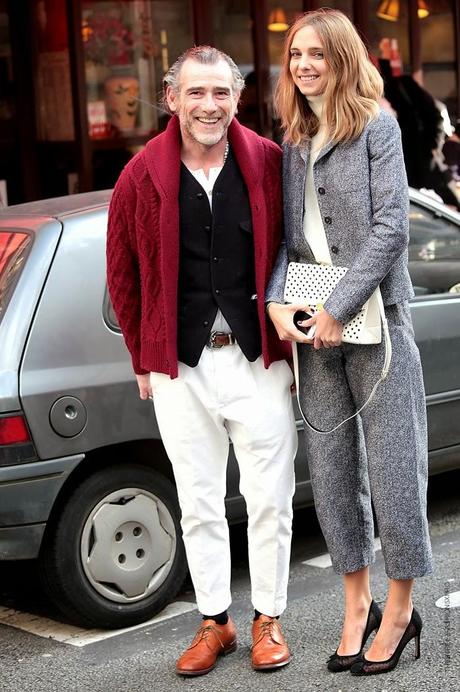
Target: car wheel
[{"x": 114, "y": 556}]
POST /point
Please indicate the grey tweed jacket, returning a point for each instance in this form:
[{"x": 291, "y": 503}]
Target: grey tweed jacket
[{"x": 363, "y": 199}]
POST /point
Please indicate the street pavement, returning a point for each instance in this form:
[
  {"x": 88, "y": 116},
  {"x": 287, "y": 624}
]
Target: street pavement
[{"x": 143, "y": 659}]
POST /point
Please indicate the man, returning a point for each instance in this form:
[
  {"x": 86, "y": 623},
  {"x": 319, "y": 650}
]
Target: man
[{"x": 194, "y": 229}]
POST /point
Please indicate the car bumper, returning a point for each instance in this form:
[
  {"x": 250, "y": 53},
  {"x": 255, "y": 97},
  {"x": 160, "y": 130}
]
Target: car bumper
[{"x": 27, "y": 495}]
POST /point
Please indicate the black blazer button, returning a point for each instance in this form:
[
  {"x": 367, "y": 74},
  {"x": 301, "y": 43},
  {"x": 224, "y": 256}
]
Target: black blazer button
[
  {"x": 199, "y": 195},
  {"x": 334, "y": 249},
  {"x": 205, "y": 323},
  {"x": 321, "y": 191},
  {"x": 327, "y": 219},
  {"x": 207, "y": 228},
  {"x": 217, "y": 291}
]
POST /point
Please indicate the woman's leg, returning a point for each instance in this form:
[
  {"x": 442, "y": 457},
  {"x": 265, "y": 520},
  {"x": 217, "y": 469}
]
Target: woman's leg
[
  {"x": 337, "y": 461},
  {"x": 396, "y": 616},
  {"x": 340, "y": 485},
  {"x": 395, "y": 433},
  {"x": 357, "y": 603}
]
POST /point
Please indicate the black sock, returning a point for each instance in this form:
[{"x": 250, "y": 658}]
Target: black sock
[
  {"x": 257, "y": 615},
  {"x": 220, "y": 619}
]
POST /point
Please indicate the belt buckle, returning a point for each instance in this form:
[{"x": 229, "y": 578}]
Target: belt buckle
[{"x": 212, "y": 340}]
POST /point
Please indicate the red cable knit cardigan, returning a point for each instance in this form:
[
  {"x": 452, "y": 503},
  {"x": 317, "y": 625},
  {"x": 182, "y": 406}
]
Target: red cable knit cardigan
[{"x": 143, "y": 243}]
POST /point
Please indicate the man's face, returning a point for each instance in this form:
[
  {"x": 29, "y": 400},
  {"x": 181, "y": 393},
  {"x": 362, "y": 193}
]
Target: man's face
[{"x": 206, "y": 102}]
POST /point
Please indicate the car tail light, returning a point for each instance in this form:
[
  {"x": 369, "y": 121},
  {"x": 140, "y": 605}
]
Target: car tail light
[
  {"x": 16, "y": 446},
  {"x": 14, "y": 246}
]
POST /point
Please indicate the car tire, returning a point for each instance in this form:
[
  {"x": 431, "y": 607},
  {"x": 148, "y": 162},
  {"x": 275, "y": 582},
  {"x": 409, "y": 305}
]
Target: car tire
[{"x": 114, "y": 556}]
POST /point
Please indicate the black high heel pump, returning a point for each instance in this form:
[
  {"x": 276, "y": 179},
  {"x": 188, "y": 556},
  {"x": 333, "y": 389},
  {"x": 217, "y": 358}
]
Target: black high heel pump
[
  {"x": 412, "y": 631},
  {"x": 337, "y": 663}
]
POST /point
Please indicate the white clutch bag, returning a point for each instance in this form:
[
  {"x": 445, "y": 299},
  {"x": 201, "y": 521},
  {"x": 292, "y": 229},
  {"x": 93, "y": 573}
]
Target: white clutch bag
[{"x": 311, "y": 285}]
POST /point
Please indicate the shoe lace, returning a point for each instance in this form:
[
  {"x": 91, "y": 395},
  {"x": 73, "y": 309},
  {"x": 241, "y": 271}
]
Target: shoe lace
[
  {"x": 203, "y": 633},
  {"x": 267, "y": 626},
  {"x": 265, "y": 629}
]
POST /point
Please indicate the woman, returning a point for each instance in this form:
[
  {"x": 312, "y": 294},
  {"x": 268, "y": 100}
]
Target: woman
[{"x": 346, "y": 203}]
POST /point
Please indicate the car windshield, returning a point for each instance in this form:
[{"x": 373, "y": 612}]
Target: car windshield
[
  {"x": 14, "y": 246},
  {"x": 434, "y": 252}
]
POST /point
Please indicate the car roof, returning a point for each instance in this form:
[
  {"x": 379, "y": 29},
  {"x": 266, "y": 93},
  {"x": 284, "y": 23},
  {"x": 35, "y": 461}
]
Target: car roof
[
  {"x": 427, "y": 200},
  {"x": 57, "y": 207},
  {"x": 42, "y": 210}
]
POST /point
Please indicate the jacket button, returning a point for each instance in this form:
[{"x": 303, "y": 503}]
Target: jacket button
[
  {"x": 199, "y": 195},
  {"x": 217, "y": 291},
  {"x": 321, "y": 191},
  {"x": 215, "y": 259},
  {"x": 205, "y": 323},
  {"x": 207, "y": 228},
  {"x": 334, "y": 249},
  {"x": 327, "y": 219}
]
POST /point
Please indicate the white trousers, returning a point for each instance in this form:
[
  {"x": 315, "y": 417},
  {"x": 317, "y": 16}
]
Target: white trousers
[{"x": 225, "y": 396}]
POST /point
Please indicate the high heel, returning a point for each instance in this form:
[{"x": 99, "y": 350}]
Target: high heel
[
  {"x": 412, "y": 631},
  {"x": 338, "y": 663}
]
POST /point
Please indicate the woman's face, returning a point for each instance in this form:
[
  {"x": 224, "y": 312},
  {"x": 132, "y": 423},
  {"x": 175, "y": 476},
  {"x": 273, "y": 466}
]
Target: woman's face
[{"x": 308, "y": 67}]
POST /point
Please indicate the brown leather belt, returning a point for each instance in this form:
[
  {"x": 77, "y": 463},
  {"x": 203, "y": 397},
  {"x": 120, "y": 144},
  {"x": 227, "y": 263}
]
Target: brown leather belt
[{"x": 219, "y": 339}]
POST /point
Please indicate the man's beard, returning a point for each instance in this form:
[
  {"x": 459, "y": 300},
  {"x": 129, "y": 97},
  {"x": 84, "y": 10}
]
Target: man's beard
[{"x": 208, "y": 139}]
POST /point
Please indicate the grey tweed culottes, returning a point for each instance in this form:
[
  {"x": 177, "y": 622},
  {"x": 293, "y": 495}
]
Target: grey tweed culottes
[{"x": 380, "y": 455}]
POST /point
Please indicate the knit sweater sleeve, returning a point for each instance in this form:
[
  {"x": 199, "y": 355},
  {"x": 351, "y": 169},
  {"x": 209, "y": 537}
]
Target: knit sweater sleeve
[{"x": 123, "y": 280}]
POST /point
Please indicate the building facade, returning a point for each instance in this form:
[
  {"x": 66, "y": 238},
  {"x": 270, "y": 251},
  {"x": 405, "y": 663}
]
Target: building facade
[{"x": 80, "y": 79}]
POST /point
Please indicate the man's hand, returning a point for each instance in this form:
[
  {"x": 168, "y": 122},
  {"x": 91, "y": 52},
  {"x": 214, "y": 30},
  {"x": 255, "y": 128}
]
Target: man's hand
[
  {"x": 282, "y": 317},
  {"x": 328, "y": 330},
  {"x": 145, "y": 388}
]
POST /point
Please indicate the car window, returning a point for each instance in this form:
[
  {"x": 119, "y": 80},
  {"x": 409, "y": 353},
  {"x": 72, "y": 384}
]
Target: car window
[
  {"x": 14, "y": 246},
  {"x": 109, "y": 315},
  {"x": 434, "y": 252}
]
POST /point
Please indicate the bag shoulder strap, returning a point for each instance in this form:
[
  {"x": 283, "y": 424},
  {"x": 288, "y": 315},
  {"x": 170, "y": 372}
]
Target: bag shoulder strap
[{"x": 383, "y": 374}]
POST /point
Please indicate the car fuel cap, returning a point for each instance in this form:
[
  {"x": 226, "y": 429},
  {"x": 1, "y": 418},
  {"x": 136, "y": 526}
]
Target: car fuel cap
[{"x": 68, "y": 416}]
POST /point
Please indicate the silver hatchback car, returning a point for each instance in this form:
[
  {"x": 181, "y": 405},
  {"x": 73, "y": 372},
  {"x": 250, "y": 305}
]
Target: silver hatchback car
[{"x": 85, "y": 483}]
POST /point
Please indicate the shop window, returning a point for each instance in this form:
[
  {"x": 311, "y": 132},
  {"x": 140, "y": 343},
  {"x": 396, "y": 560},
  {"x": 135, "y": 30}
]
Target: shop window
[
  {"x": 389, "y": 33},
  {"x": 128, "y": 46},
  {"x": 54, "y": 110},
  {"x": 232, "y": 32},
  {"x": 438, "y": 53}
]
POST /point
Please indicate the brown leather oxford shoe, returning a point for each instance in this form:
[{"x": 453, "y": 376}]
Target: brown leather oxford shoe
[
  {"x": 211, "y": 640},
  {"x": 269, "y": 649}
]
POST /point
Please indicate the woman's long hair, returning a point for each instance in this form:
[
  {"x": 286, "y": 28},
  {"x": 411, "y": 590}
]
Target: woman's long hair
[{"x": 353, "y": 87}]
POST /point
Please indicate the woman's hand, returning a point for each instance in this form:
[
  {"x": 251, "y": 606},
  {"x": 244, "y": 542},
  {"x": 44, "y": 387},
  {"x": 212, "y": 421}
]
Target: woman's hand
[
  {"x": 328, "y": 330},
  {"x": 282, "y": 317}
]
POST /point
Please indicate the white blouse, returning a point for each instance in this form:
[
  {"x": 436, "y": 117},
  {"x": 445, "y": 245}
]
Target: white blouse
[{"x": 312, "y": 222}]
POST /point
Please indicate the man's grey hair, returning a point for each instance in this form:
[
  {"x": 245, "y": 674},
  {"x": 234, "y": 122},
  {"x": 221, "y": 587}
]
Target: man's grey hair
[{"x": 207, "y": 55}]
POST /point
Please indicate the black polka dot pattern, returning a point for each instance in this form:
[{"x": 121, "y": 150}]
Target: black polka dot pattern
[{"x": 312, "y": 284}]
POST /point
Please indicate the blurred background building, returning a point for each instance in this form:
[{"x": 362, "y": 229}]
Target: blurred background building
[{"x": 80, "y": 79}]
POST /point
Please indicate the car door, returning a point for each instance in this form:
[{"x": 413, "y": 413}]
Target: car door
[{"x": 434, "y": 266}]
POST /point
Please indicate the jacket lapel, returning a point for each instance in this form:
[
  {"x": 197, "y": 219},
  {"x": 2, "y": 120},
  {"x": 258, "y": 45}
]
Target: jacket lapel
[
  {"x": 250, "y": 155},
  {"x": 295, "y": 163},
  {"x": 325, "y": 150},
  {"x": 162, "y": 157}
]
